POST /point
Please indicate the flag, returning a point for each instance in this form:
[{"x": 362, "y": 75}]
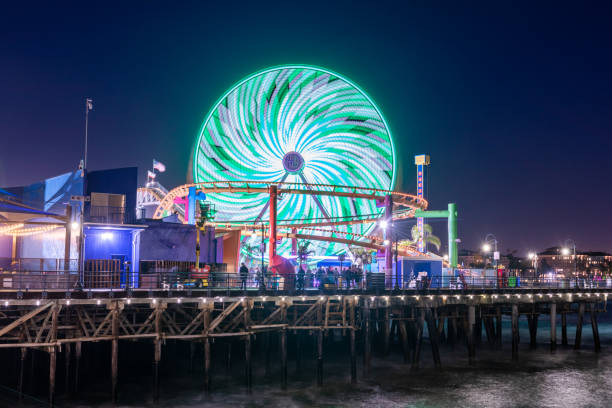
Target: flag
[
  {"x": 159, "y": 166},
  {"x": 151, "y": 174},
  {"x": 89, "y": 104}
]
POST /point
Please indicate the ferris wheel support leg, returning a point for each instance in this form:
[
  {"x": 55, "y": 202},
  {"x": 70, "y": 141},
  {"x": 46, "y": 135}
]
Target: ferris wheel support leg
[
  {"x": 273, "y": 197},
  {"x": 389, "y": 246}
]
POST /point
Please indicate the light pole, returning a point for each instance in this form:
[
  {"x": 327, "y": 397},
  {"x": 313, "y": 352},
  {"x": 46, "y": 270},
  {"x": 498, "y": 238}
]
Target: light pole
[
  {"x": 533, "y": 256},
  {"x": 486, "y": 248},
  {"x": 565, "y": 252}
]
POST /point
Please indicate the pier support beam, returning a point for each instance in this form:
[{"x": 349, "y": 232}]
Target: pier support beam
[
  {"x": 498, "y": 326},
  {"x": 267, "y": 352},
  {"x": 67, "y": 355},
  {"x": 533, "y": 330},
  {"x": 298, "y": 353},
  {"x": 553, "y": 326},
  {"x": 386, "y": 330},
  {"x": 367, "y": 346},
  {"x": 478, "y": 328},
  {"x": 433, "y": 339},
  {"x": 563, "y": 329},
  {"x": 471, "y": 323},
  {"x": 578, "y": 340},
  {"x": 157, "y": 355},
  {"x": 206, "y": 324},
  {"x": 595, "y": 328},
  {"x": 52, "y": 366},
  {"x": 416, "y": 356},
  {"x": 228, "y": 358},
  {"x": 248, "y": 372},
  {"x": 77, "y": 366},
  {"x": 53, "y": 354},
  {"x": 283, "y": 350},
  {"x": 515, "y": 332},
  {"x": 404, "y": 340},
  {"x": 353, "y": 357},
  {"x": 24, "y": 352},
  {"x": 320, "y": 358},
  {"x": 114, "y": 353}
]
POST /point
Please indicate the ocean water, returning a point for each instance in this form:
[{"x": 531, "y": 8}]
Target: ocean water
[{"x": 565, "y": 378}]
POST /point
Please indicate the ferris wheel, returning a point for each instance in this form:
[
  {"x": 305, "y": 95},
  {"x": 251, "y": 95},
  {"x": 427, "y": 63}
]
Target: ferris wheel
[{"x": 296, "y": 124}]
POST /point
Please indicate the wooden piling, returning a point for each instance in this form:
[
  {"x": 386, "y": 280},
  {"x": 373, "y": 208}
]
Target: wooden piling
[
  {"x": 533, "y": 330},
  {"x": 470, "y": 332},
  {"x": 367, "y": 346},
  {"x": 206, "y": 341},
  {"x": 579, "y": 320},
  {"x": 52, "y": 364},
  {"x": 298, "y": 352},
  {"x": 267, "y": 352},
  {"x": 433, "y": 338},
  {"x": 157, "y": 354},
  {"x": 353, "y": 357},
  {"x": 283, "y": 349},
  {"x": 386, "y": 330},
  {"x": 452, "y": 331},
  {"x": 191, "y": 356},
  {"x": 498, "y": 326},
  {"x": 563, "y": 329},
  {"x": 53, "y": 354},
  {"x": 515, "y": 333},
  {"x": 404, "y": 339},
  {"x": 77, "y": 366},
  {"x": 248, "y": 364},
  {"x": 595, "y": 328},
  {"x": 24, "y": 352},
  {"x": 320, "y": 358},
  {"x": 228, "y": 357},
  {"x": 416, "y": 356},
  {"x": 553, "y": 326},
  {"x": 478, "y": 328}
]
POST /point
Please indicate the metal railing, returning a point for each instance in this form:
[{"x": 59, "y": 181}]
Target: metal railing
[{"x": 114, "y": 279}]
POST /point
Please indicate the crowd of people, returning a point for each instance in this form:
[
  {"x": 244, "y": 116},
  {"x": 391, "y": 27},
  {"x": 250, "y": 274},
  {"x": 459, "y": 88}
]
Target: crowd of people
[{"x": 304, "y": 277}]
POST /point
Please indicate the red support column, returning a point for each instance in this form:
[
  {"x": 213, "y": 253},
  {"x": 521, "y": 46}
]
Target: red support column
[
  {"x": 389, "y": 238},
  {"x": 273, "y": 195}
]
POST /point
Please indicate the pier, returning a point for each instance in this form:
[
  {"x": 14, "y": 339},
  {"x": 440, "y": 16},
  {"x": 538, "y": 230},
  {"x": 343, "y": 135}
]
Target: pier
[{"x": 56, "y": 323}]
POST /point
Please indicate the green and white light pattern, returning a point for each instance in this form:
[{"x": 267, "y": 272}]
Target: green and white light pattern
[{"x": 328, "y": 120}]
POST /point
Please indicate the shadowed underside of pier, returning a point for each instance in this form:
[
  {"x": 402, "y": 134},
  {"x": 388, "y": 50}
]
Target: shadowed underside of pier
[{"x": 53, "y": 325}]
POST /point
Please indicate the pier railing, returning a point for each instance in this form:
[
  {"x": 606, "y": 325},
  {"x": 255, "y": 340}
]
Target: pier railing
[{"x": 114, "y": 279}]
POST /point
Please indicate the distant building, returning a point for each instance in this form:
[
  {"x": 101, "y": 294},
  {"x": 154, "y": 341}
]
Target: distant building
[{"x": 586, "y": 263}]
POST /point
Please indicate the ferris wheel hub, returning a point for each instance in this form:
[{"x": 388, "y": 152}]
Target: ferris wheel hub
[{"x": 293, "y": 162}]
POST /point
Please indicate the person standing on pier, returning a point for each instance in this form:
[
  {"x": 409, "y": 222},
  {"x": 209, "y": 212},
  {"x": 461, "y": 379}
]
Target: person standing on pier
[{"x": 244, "y": 274}]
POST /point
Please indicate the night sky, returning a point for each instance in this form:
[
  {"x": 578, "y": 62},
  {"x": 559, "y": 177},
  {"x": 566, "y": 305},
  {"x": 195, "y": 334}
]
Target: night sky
[{"x": 512, "y": 102}]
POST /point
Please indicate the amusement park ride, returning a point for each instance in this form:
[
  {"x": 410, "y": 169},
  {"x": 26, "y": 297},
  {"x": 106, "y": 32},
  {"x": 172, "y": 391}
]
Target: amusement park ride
[{"x": 299, "y": 153}]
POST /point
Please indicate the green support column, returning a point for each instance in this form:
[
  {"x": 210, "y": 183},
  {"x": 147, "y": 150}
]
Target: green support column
[{"x": 453, "y": 257}]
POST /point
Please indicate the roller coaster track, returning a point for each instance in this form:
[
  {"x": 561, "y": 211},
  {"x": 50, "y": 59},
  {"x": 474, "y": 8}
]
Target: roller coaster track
[
  {"x": 400, "y": 200},
  {"x": 404, "y": 207}
]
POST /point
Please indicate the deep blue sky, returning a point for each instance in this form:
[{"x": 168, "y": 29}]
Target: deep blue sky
[{"x": 512, "y": 101}]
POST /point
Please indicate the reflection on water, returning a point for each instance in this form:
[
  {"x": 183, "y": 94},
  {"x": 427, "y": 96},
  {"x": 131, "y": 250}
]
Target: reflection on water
[{"x": 566, "y": 378}]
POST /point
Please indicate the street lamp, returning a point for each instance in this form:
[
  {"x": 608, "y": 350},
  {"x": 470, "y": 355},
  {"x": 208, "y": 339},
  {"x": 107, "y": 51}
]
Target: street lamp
[
  {"x": 486, "y": 247},
  {"x": 533, "y": 256},
  {"x": 565, "y": 251}
]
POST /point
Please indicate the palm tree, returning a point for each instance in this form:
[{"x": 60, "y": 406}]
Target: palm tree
[
  {"x": 304, "y": 251},
  {"x": 428, "y": 236}
]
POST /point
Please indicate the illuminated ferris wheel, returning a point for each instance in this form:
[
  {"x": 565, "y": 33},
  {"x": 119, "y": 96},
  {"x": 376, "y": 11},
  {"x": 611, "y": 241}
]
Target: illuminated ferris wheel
[{"x": 296, "y": 124}]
